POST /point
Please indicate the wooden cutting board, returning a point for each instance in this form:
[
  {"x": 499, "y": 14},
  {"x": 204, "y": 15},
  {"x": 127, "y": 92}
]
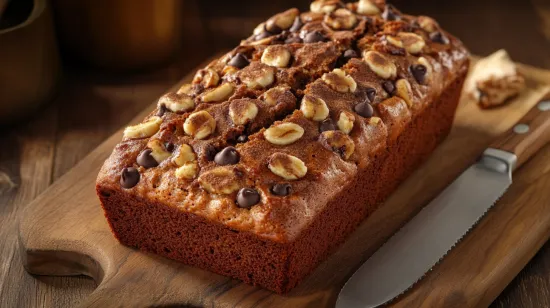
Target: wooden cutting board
[{"x": 64, "y": 232}]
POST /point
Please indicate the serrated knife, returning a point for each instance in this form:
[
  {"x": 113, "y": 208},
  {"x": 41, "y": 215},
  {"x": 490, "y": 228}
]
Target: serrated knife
[{"x": 411, "y": 252}]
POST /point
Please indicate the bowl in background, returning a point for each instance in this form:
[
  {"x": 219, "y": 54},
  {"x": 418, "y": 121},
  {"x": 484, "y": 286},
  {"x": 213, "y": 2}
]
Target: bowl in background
[{"x": 29, "y": 60}]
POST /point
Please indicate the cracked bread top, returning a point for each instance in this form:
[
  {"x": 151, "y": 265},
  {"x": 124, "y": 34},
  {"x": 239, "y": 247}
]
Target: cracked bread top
[{"x": 267, "y": 134}]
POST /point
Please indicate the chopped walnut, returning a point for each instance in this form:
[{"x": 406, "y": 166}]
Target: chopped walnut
[
  {"x": 284, "y": 133},
  {"x": 380, "y": 64},
  {"x": 199, "y": 125},
  {"x": 257, "y": 75},
  {"x": 287, "y": 166},
  {"x": 143, "y": 130}
]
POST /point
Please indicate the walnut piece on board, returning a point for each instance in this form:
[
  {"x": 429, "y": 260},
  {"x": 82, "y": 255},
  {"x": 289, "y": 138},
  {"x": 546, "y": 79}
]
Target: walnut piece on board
[{"x": 494, "y": 79}]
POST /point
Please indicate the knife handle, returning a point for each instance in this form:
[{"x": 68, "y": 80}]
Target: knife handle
[{"x": 529, "y": 135}]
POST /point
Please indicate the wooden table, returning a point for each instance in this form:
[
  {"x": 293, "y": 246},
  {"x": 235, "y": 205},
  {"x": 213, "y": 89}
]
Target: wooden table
[{"x": 91, "y": 106}]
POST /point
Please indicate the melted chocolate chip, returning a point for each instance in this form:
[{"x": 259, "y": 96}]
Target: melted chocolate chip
[
  {"x": 129, "y": 177},
  {"x": 280, "y": 189},
  {"x": 314, "y": 37},
  {"x": 439, "y": 37},
  {"x": 169, "y": 146},
  {"x": 326, "y": 125},
  {"x": 371, "y": 94},
  {"x": 293, "y": 39},
  {"x": 227, "y": 156},
  {"x": 209, "y": 152},
  {"x": 389, "y": 87},
  {"x": 146, "y": 160},
  {"x": 390, "y": 13},
  {"x": 239, "y": 61},
  {"x": 364, "y": 109},
  {"x": 419, "y": 72},
  {"x": 242, "y": 139},
  {"x": 162, "y": 110},
  {"x": 247, "y": 197},
  {"x": 296, "y": 25}
]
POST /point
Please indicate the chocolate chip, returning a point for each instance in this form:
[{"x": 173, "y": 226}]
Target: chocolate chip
[
  {"x": 390, "y": 13},
  {"x": 242, "y": 139},
  {"x": 280, "y": 189},
  {"x": 326, "y": 125},
  {"x": 146, "y": 160},
  {"x": 169, "y": 146},
  {"x": 272, "y": 27},
  {"x": 247, "y": 197},
  {"x": 239, "y": 61},
  {"x": 364, "y": 109},
  {"x": 162, "y": 110},
  {"x": 419, "y": 72},
  {"x": 209, "y": 152},
  {"x": 293, "y": 39},
  {"x": 296, "y": 25},
  {"x": 227, "y": 156},
  {"x": 371, "y": 94},
  {"x": 345, "y": 57},
  {"x": 314, "y": 37},
  {"x": 350, "y": 53},
  {"x": 439, "y": 37},
  {"x": 389, "y": 87},
  {"x": 129, "y": 177}
]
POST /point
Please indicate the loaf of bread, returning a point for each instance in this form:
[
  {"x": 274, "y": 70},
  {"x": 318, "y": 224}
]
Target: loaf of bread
[{"x": 276, "y": 151}]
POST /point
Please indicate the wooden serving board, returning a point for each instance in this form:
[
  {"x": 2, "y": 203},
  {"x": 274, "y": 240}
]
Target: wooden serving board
[{"x": 64, "y": 232}]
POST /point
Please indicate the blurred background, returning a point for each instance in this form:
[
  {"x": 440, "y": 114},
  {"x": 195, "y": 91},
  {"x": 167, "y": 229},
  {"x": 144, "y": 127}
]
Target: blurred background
[
  {"x": 74, "y": 72},
  {"x": 52, "y": 45},
  {"x": 42, "y": 41}
]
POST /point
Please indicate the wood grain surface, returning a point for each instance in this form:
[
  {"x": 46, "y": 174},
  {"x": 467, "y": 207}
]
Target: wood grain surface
[
  {"x": 92, "y": 106},
  {"x": 63, "y": 232},
  {"x": 534, "y": 133},
  {"x": 36, "y": 153}
]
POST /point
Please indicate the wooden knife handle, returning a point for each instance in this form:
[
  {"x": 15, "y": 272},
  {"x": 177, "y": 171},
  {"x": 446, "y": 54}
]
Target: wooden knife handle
[{"x": 529, "y": 135}]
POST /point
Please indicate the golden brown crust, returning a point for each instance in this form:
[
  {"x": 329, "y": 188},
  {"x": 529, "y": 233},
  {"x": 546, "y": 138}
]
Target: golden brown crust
[{"x": 412, "y": 49}]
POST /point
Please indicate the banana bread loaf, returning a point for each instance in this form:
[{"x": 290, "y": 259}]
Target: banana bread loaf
[{"x": 275, "y": 152}]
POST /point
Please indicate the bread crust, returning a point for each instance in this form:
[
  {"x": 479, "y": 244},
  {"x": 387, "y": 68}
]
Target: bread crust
[{"x": 186, "y": 206}]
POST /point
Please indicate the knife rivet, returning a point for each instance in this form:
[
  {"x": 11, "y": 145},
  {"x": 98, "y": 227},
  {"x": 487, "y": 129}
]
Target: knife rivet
[
  {"x": 544, "y": 105},
  {"x": 521, "y": 128}
]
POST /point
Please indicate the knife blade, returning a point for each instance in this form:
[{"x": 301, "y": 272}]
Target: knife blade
[{"x": 421, "y": 243}]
